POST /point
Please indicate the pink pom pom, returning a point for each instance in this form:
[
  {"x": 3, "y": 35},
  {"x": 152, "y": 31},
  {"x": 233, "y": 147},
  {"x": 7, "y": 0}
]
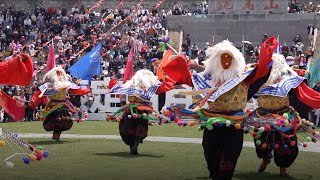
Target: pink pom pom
[
  {"x": 39, "y": 156},
  {"x": 180, "y": 123}
]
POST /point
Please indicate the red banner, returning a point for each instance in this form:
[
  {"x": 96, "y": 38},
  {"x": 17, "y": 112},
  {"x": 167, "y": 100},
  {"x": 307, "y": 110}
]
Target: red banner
[{"x": 15, "y": 109}]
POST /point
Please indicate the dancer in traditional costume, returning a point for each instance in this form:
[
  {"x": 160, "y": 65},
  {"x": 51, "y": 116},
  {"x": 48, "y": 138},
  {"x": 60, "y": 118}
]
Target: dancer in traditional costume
[
  {"x": 226, "y": 87},
  {"x": 135, "y": 116},
  {"x": 275, "y": 121},
  {"x": 17, "y": 71},
  {"x": 58, "y": 114}
]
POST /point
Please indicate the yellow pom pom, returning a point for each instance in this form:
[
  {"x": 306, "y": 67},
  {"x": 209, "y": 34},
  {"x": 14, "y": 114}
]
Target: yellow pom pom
[
  {"x": 32, "y": 157},
  {"x": 2, "y": 143}
]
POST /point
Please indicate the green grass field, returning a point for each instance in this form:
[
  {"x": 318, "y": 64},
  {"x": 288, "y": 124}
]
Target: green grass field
[{"x": 110, "y": 159}]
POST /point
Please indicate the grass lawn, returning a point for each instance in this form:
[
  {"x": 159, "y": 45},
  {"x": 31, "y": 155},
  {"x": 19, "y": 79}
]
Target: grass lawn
[
  {"x": 109, "y": 128},
  {"x": 109, "y": 159}
]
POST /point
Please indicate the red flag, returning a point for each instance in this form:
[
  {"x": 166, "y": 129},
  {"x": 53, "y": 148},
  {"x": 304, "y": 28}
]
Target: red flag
[
  {"x": 15, "y": 109},
  {"x": 112, "y": 83},
  {"x": 17, "y": 71},
  {"x": 51, "y": 58},
  {"x": 128, "y": 73}
]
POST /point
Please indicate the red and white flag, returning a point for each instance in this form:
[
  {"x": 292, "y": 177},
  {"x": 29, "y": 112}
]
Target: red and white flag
[{"x": 51, "y": 58}]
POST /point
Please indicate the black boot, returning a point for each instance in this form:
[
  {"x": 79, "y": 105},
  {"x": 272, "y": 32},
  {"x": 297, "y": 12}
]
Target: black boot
[{"x": 134, "y": 147}]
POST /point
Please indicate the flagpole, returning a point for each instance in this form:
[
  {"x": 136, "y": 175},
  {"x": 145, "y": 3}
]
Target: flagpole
[{"x": 243, "y": 45}]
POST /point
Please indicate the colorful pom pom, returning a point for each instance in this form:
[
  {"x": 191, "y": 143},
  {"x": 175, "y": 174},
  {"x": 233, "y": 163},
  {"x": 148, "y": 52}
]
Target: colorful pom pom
[
  {"x": 45, "y": 154},
  {"x": 267, "y": 127},
  {"x": 276, "y": 146},
  {"x": 39, "y": 157},
  {"x": 228, "y": 123},
  {"x": 254, "y": 134},
  {"x": 238, "y": 126},
  {"x": 135, "y": 116},
  {"x": 305, "y": 145},
  {"x": 258, "y": 142},
  {"x": 308, "y": 139},
  {"x": 293, "y": 143},
  {"x": 2, "y": 143},
  {"x": 172, "y": 117},
  {"x": 26, "y": 160},
  {"x": 264, "y": 146},
  {"x": 32, "y": 157},
  {"x": 180, "y": 123},
  {"x": 191, "y": 123}
]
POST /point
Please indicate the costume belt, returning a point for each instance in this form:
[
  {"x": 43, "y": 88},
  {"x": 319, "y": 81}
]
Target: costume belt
[{"x": 235, "y": 115}]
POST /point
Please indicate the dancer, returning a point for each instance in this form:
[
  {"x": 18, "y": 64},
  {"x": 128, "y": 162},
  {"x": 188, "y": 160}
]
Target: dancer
[
  {"x": 135, "y": 116},
  {"x": 59, "y": 113},
  {"x": 226, "y": 87},
  {"x": 278, "y": 122}
]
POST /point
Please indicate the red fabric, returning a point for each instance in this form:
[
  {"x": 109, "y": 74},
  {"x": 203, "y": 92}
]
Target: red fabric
[
  {"x": 51, "y": 59},
  {"x": 80, "y": 92},
  {"x": 164, "y": 61},
  {"x": 177, "y": 69},
  {"x": 167, "y": 85},
  {"x": 17, "y": 71},
  {"x": 308, "y": 96},
  {"x": 112, "y": 83},
  {"x": 128, "y": 73},
  {"x": 35, "y": 101},
  {"x": 265, "y": 57},
  {"x": 300, "y": 72},
  {"x": 12, "y": 107}
]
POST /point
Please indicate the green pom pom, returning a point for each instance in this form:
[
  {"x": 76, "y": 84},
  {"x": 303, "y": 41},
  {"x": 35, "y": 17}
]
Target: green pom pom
[
  {"x": 258, "y": 142},
  {"x": 39, "y": 147},
  {"x": 285, "y": 115},
  {"x": 308, "y": 139}
]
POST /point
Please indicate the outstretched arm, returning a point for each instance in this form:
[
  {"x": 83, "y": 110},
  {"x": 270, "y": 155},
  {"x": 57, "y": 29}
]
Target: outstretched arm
[
  {"x": 17, "y": 71},
  {"x": 265, "y": 59}
]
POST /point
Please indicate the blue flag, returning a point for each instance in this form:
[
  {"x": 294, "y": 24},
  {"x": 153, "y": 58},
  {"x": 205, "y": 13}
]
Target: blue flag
[{"x": 89, "y": 65}]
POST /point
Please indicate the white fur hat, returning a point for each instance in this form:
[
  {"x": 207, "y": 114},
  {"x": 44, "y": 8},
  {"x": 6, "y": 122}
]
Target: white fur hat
[
  {"x": 58, "y": 78},
  {"x": 214, "y": 66}
]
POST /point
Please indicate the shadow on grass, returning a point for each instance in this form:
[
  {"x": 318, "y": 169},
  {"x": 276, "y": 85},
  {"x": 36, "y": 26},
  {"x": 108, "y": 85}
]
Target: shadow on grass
[
  {"x": 267, "y": 176},
  {"x": 127, "y": 155},
  {"x": 50, "y": 142},
  {"x": 207, "y": 177}
]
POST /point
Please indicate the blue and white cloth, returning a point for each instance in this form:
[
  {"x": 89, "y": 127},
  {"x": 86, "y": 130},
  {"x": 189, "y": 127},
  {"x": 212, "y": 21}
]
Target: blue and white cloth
[
  {"x": 282, "y": 88},
  {"x": 202, "y": 82},
  {"x": 145, "y": 95}
]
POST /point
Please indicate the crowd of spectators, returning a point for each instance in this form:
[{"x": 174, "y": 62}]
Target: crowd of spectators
[
  {"x": 79, "y": 29},
  {"x": 309, "y": 7}
]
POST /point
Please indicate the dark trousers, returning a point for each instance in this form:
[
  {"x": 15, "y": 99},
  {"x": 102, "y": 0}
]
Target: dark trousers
[
  {"x": 285, "y": 155},
  {"x": 161, "y": 101},
  {"x": 133, "y": 131},
  {"x": 222, "y": 147},
  {"x": 52, "y": 123}
]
